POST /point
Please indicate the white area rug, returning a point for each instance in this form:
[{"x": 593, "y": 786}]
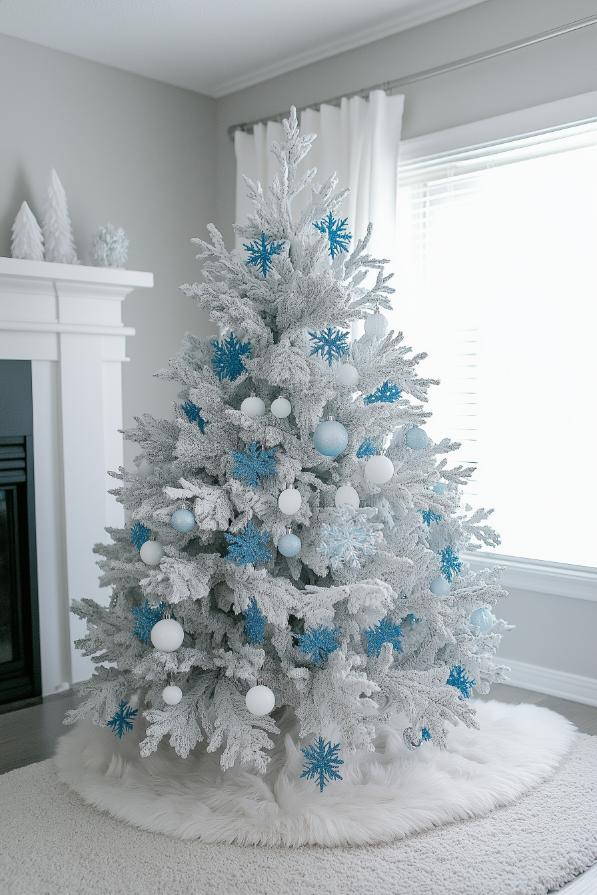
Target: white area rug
[
  {"x": 52, "y": 843},
  {"x": 384, "y": 795}
]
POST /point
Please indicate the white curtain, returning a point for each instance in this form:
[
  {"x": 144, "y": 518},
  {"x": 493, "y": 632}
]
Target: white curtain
[{"x": 359, "y": 140}]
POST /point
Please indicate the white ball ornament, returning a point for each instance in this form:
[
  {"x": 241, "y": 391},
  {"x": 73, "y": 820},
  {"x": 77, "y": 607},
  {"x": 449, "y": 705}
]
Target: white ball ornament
[
  {"x": 330, "y": 438},
  {"x": 260, "y": 700},
  {"x": 151, "y": 553},
  {"x": 289, "y": 545},
  {"x": 346, "y": 375},
  {"x": 346, "y": 495},
  {"x": 376, "y": 326},
  {"x": 281, "y": 408},
  {"x": 483, "y": 619},
  {"x": 440, "y": 587},
  {"x": 182, "y": 520},
  {"x": 417, "y": 438},
  {"x": 289, "y": 501},
  {"x": 440, "y": 488},
  {"x": 253, "y": 407},
  {"x": 379, "y": 470},
  {"x": 171, "y": 694},
  {"x": 167, "y": 635}
]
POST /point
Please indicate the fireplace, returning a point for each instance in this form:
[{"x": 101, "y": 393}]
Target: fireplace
[
  {"x": 20, "y": 668},
  {"x": 62, "y": 347}
]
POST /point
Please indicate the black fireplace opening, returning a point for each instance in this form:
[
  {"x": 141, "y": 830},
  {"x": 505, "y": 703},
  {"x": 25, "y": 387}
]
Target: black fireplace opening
[{"x": 20, "y": 667}]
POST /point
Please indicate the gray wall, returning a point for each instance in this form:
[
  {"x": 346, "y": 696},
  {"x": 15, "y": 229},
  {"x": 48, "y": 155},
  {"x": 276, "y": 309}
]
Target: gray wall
[
  {"x": 130, "y": 150},
  {"x": 557, "y": 633}
]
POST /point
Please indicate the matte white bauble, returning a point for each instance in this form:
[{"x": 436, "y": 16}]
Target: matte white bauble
[
  {"x": 376, "y": 326},
  {"x": 182, "y": 520},
  {"x": 440, "y": 587},
  {"x": 289, "y": 501},
  {"x": 281, "y": 408},
  {"x": 330, "y": 438},
  {"x": 379, "y": 470},
  {"x": 171, "y": 694},
  {"x": 345, "y": 496},
  {"x": 346, "y": 374},
  {"x": 289, "y": 545},
  {"x": 483, "y": 619},
  {"x": 417, "y": 438},
  {"x": 253, "y": 407},
  {"x": 167, "y": 635},
  {"x": 260, "y": 700},
  {"x": 151, "y": 553}
]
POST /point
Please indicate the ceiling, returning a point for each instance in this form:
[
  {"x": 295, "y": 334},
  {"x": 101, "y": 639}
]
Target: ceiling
[{"x": 213, "y": 46}]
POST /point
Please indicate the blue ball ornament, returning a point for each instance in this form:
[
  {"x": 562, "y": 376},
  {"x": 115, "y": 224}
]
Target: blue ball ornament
[
  {"x": 440, "y": 488},
  {"x": 483, "y": 619},
  {"x": 182, "y": 520},
  {"x": 330, "y": 438},
  {"x": 289, "y": 545},
  {"x": 417, "y": 438},
  {"x": 439, "y": 586}
]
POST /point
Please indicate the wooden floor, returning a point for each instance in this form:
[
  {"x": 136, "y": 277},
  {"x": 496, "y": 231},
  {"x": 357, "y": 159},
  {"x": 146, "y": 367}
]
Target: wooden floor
[{"x": 29, "y": 735}]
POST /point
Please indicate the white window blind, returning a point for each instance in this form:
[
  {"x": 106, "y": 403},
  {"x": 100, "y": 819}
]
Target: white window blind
[{"x": 497, "y": 280}]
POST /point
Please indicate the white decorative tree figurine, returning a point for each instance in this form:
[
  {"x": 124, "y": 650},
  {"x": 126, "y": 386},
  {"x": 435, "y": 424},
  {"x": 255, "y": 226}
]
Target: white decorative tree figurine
[
  {"x": 58, "y": 231},
  {"x": 27, "y": 239},
  {"x": 110, "y": 247}
]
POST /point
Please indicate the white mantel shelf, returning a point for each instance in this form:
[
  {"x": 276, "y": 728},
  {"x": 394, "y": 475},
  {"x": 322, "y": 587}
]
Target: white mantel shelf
[
  {"x": 75, "y": 273},
  {"x": 67, "y": 321}
]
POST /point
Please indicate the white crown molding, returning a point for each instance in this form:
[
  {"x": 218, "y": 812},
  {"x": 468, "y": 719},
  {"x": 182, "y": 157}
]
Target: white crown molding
[
  {"x": 551, "y": 681},
  {"x": 434, "y": 9},
  {"x": 557, "y": 579}
]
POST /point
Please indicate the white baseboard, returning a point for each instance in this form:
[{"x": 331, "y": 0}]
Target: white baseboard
[{"x": 552, "y": 682}]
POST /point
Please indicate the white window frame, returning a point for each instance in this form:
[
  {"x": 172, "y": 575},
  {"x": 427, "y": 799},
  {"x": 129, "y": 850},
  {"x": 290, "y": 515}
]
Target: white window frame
[{"x": 559, "y": 579}]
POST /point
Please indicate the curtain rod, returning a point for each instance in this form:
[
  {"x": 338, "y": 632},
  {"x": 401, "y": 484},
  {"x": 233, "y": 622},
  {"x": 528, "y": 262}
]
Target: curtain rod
[{"x": 391, "y": 86}]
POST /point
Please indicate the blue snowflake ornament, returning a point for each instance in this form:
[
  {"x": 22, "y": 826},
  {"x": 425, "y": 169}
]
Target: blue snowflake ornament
[
  {"x": 450, "y": 563},
  {"x": 122, "y": 719},
  {"x": 425, "y": 734},
  {"x": 193, "y": 414},
  {"x": 458, "y": 678},
  {"x": 330, "y": 344},
  {"x": 367, "y": 448},
  {"x": 348, "y": 541},
  {"x": 387, "y": 393},
  {"x": 227, "y": 360},
  {"x": 336, "y": 232},
  {"x": 261, "y": 251},
  {"x": 146, "y": 616},
  {"x": 249, "y": 546},
  {"x": 429, "y": 516},
  {"x": 253, "y": 464},
  {"x": 318, "y": 643},
  {"x": 139, "y": 534},
  {"x": 255, "y": 622},
  {"x": 383, "y": 632},
  {"x": 322, "y": 762}
]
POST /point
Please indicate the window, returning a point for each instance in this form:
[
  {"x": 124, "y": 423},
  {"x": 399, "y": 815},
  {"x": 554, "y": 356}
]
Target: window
[{"x": 497, "y": 280}]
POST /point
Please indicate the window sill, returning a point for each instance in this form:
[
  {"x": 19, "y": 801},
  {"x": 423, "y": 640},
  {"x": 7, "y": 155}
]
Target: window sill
[{"x": 559, "y": 579}]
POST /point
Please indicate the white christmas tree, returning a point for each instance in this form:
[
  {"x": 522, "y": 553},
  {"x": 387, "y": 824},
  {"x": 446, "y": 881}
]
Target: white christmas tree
[
  {"x": 58, "y": 231},
  {"x": 27, "y": 240},
  {"x": 295, "y": 549},
  {"x": 110, "y": 247}
]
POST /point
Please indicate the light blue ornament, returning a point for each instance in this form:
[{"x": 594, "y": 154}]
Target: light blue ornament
[
  {"x": 330, "y": 438},
  {"x": 417, "y": 438},
  {"x": 483, "y": 619},
  {"x": 289, "y": 545},
  {"x": 182, "y": 520},
  {"x": 440, "y": 488},
  {"x": 439, "y": 586}
]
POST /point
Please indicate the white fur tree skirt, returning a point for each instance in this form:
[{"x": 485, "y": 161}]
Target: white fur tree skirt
[{"x": 384, "y": 795}]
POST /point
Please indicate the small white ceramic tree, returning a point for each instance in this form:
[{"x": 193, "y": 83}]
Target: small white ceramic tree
[
  {"x": 27, "y": 239},
  {"x": 58, "y": 231}
]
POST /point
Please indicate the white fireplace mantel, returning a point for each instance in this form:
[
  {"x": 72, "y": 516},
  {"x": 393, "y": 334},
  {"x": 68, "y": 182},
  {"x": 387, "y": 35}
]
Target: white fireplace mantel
[{"x": 67, "y": 320}]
